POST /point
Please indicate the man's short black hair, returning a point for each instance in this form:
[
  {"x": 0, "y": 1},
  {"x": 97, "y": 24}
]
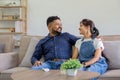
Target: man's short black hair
[{"x": 51, "y": 19}]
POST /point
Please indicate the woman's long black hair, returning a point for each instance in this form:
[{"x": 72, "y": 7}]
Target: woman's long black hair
[{"x": 93, "y": 29}]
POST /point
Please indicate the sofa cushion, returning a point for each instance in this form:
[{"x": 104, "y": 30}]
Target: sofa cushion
[
  {"x": 27, "y": 58},
  {"x": 112, "y": 53},
  {"x": 2, "y": 47},
  {"x": 8, "y": 41},
  {"x": 111, "y": 73},
  {"x": 16, "y": 69},
  {"x": 8, "y": 60},
  {"x": 24, "y": 43}
]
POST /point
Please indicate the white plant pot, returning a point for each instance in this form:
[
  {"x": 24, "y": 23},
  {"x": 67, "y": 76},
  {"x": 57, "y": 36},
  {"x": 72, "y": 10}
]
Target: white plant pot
[{"x": 72, "y": 72}]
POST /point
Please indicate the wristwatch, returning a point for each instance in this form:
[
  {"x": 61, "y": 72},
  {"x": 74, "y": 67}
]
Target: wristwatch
[{"x": 84, "y": 64}]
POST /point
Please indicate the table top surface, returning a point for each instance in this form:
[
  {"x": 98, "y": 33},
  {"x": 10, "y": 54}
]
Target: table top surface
[{"x": 52, "y": 75}]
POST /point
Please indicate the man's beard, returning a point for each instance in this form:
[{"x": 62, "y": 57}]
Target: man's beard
[{"x": 57, "y": 32}]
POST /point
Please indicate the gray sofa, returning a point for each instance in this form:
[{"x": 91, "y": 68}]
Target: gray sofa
[
  {"x": 7, "y": 46},
  {"x": 21, "y": 61}
]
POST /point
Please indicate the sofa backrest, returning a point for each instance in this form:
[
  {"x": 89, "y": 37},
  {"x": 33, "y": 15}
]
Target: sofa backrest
[
  {"x": 24, "y": 43},
  {"x": 111, "y": 38},
  {"x": 26, "y": 40},
  {"x": 112, "y": 50},
  {"x": 8, "y": 41}
]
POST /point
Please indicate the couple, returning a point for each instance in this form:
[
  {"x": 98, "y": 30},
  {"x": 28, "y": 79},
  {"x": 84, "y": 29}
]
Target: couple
[{"x": 56, "y": 47}]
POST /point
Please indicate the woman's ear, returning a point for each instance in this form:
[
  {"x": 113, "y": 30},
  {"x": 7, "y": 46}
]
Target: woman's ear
[{"x": 88, "y": 27}]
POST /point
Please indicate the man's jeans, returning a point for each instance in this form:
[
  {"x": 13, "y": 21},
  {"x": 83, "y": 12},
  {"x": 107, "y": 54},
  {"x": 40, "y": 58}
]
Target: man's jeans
[{"x": 48, "y": 64}]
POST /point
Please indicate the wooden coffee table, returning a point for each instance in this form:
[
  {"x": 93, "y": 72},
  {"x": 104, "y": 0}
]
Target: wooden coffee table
[{"x": 52, "y": 75}]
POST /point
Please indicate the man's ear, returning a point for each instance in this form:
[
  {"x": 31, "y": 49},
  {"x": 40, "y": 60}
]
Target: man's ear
[{"x": 49, "y": 26}]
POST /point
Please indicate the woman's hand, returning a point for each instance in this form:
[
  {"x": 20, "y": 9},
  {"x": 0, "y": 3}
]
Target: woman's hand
[{"x": 84, "y": 64}]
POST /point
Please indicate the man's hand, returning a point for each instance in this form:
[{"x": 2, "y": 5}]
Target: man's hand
[
  {"x": 37, "y": 63},
  {"x": 100, "y": 38}
]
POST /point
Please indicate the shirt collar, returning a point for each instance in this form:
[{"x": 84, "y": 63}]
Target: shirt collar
[{"x": 48, "y": 36}]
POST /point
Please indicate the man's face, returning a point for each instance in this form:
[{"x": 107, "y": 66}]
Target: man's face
[{"x": 55, "y": 27}]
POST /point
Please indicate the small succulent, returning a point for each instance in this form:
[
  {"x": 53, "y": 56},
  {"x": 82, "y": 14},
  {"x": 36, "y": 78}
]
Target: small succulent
[{"x": 71, "y": 64}]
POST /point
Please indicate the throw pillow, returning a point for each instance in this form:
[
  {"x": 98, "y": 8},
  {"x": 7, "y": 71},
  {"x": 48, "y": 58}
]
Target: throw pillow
[
  {"x": 112, "y": 53},
  {"x": 2, "y": 46},
  {"x": 26, "y": 62}
]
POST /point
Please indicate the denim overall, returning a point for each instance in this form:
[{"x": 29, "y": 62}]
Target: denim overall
[{"x": 86, "y": 53}]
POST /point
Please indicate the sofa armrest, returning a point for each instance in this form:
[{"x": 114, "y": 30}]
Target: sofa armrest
[{"x": 8, "y": 60}]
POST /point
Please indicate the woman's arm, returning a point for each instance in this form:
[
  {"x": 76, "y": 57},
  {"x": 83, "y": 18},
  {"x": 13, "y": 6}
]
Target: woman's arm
[
  {"x": 95, "y": 58},
  {"x": 75, "y": 53}
]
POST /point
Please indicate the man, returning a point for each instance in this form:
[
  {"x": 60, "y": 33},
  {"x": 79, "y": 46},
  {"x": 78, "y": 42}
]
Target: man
[{"x": 56, "y": 47}]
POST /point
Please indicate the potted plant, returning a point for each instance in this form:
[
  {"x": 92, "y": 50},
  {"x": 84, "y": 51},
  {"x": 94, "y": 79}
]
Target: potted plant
[{"x": 71, "y": 66}]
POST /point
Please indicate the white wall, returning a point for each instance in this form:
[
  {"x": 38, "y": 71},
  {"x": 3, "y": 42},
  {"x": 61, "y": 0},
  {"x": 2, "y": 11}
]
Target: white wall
[{"x": 105, "y": 14}]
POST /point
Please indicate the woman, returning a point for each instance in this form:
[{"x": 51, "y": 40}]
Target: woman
[{"x": 89, "y": 48}]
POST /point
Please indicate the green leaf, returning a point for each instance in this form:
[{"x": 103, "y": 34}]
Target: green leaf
[{"x": 71, "y": 64}]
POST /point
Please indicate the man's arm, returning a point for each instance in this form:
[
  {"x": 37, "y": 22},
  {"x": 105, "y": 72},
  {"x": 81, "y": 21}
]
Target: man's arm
[
  {"x": 72, "y": 38},
  {"x": 37, "y": 53}
]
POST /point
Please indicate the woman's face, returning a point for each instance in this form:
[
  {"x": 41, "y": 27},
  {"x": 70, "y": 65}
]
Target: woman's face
[{"x": 83, "y": 29}]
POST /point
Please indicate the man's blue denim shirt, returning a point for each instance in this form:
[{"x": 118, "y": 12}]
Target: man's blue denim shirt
[{"x": 57, "y": 47}]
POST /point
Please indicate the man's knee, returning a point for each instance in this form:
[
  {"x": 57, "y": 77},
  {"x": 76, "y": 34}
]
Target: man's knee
[
  {"x": 36, "y": 67},
  {"x": 44, "y": 65}
]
